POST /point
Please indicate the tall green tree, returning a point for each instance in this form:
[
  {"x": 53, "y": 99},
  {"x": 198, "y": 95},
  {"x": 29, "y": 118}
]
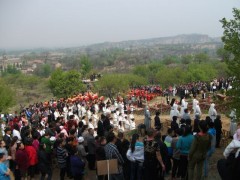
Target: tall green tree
[
  {"x": 86, "y": 65},
  {"x": 111, "y": 84},
  {"x": 231, "y": 40},
  {"x": 65, "y": 84}
]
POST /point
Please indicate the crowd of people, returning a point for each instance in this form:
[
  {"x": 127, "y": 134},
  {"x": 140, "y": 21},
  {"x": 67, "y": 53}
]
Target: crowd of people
[
  {"x": 200, "y": 87},
  {"x": 69, "y": 132},
  {"x": 74, "y": 135}
]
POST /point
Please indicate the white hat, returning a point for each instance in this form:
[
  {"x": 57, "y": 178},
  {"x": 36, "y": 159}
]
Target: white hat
[
  {"x": 52, "y": 138},
  {"x": 80, "y": 139}
]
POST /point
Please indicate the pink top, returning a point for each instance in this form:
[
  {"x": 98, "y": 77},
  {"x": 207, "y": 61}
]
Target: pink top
[{"x": 35, "y": 144}]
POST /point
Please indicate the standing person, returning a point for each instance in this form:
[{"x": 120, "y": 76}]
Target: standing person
[
  {"x": 22, "y": 161},
  {"x": 5, "y": 152},
  {"x": 152, "y": 156},
  {"x": 212, "y": 132},
  {"x": 168, "y": 142},
  {"x": 164, "y": 153},
  {"x": 174, "y": 124},
  {"x": 46, "y": 140},
  {"x": 77, "y": 166},
  {"x": 123, "y": 146},
  {"x": 157, "y": 122},
  {"x": 229, "y": 167},
  {"x": 184, "y": 144},
  {"x": 61, "y": 157},
  {"x": 212, "y": 112},
  {"x": 100, "y": 154},
  {"x": 81, "y": 150},
  {"x": 100, "y": 128},
  {"x": 186, "y": 115},
  {"x": 176, "y": 155},
  {"x": 135, "y": 154},
  {"x": 91, "y": 149},
  {"x": 33, "y": 158},
  {"x": 44, "y": 163},
  {"x": 198, "y": 152},
  {"x": 233, "y": 124},
  {"x": 196, "y": 124},
  {"x": 12, "y": 153},
  {"x": 112, "y": 152},
  {"x": 183, "y": 104},
  {"x": 174, "y": 109},
  {"x": 7, "y": 137},
  {"x": 4, "y": 170},
  {"x": 16, "y": 132},
  {"x": 194, "y": 104},
  {"x": 147, "y": 119},
  {"x": 198, "y": 110},
  {"x": 218, "y": 127}
]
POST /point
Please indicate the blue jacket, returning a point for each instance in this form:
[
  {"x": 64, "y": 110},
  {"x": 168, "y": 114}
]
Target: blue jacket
[
  {"x": 77, "y": 165},
  {"x": 212, "y": 132},
  {"x": 184, "y": 144}
]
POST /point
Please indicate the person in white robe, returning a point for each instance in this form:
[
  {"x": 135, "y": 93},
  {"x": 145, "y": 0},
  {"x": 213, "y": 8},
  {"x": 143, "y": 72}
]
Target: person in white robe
[
  {"x": 95, "y": 119},
  {"x": 212, "y": 112},
  {"x": 174, "y": 109},
  {"x": 197, "y": 110},
  {"x": 83, "y": 111},
  {"x": 194, "y": 104},
  {"x": 233, "y": 123},
  {"x": 183, "y": 105}
]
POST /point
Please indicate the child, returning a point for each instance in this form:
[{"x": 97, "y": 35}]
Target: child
[
  {"x": 4, "y": 170},
  {"x": 176, "y": 154},
  {"x": 5, "y": 152},
  {"x": 168, "y": 142}
]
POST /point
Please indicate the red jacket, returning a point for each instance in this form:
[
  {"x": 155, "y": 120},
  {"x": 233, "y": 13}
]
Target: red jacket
[
  {"x": 22, "y": 159},
  {"x": 32, "y": 155}
]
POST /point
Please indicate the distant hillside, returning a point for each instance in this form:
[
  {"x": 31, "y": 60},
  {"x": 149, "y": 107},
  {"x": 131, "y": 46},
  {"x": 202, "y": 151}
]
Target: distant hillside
[{"x": 173, "y": 40}]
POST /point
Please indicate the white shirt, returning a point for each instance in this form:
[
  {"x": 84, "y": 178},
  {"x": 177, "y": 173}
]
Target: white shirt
[
  {"x": 235, "y": 144},
  {"x": 56, "y": 114},
  {"x": 95, "y": 120},
  {"x": 84, "y": 121},
  {"x": 17, "y": 133},
  {"x": 96, "y": 107},
  {"x": 90, "y": 125}
]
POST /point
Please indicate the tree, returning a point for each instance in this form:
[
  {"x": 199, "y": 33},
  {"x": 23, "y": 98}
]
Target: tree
[
  {"x": 11, "y": 70},
  {"x": 141, "y": 70},
  {"x": 43, "y": 70},
  {"x": 7, "y": 97},
  {"x": 231, "y": 40},
  {"x": 223, "y": 54},
  {"x": 186, "y": 59},
  {"x": 201, "y": 58},
  {"x": 169, "y": 60},
  {"x": 86, "y": 65},
  {"x": 111, "y": 84},
  {"x": 65, "y": 84}
]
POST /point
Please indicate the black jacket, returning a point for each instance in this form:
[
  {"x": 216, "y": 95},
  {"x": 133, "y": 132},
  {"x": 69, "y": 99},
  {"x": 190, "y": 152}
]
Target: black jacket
[
  {"x": 100, "y": 130},
  {"x": 43, "y": 162},
  {"x": 7, "y": 140}
]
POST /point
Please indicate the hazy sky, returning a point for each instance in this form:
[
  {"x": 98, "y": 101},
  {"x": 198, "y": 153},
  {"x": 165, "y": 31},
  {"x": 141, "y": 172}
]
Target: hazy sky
[{"x": 63, "y": 23}]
